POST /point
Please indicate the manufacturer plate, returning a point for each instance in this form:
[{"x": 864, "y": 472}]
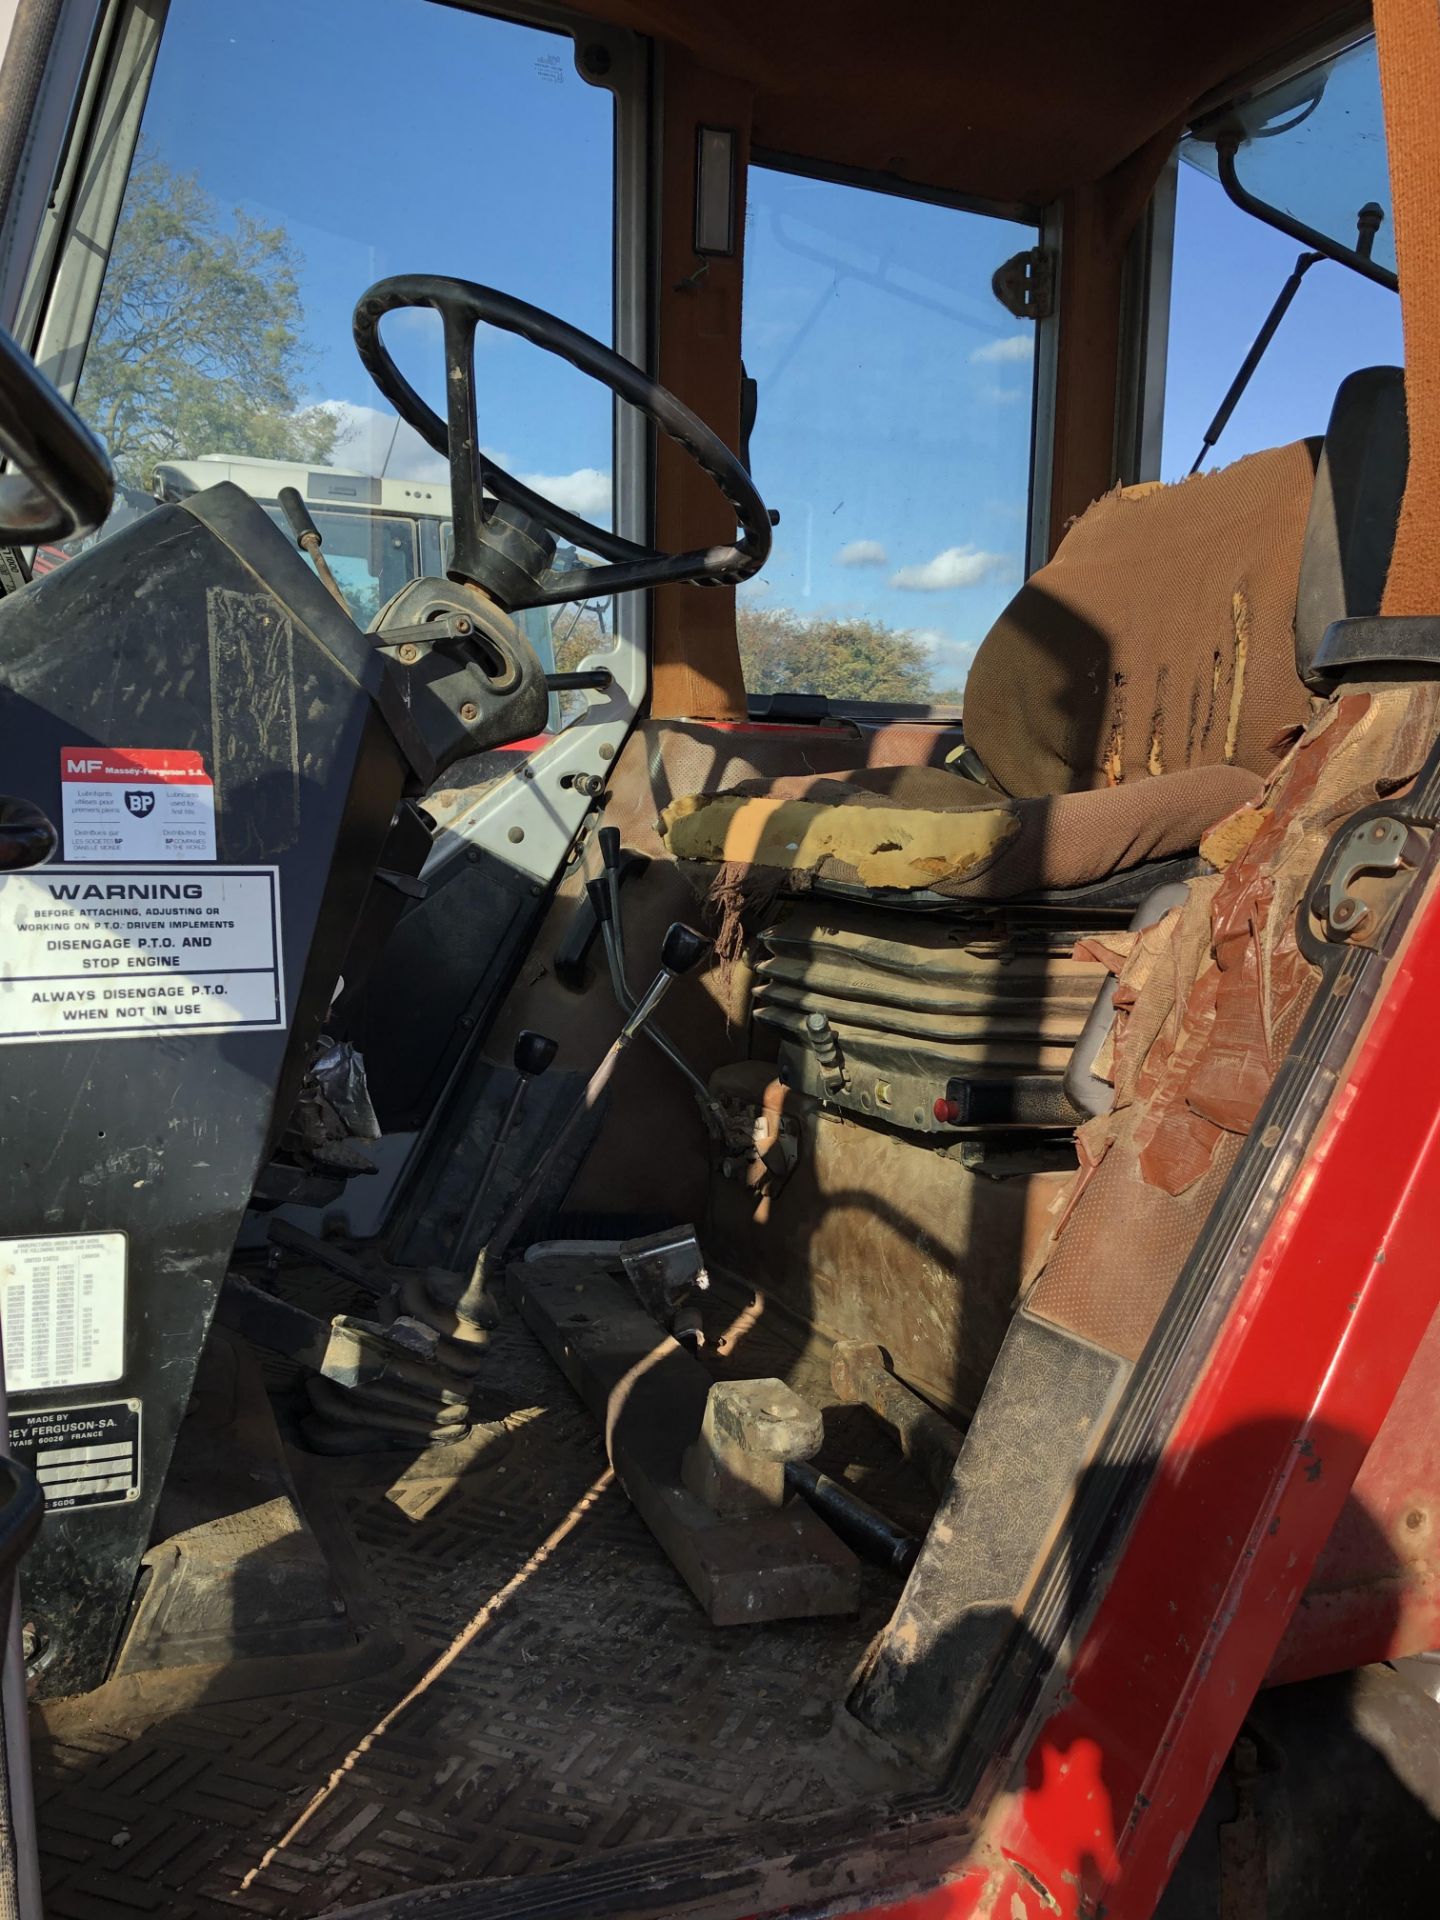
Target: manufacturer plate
[{"x": 82, "y": 1456}]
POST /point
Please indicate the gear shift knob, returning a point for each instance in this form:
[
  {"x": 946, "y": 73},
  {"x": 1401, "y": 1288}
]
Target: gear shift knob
[
  {"x": 533, "y": 1053},
  {"x": 609, "y": 843},
  {"x": 682, "y": 948}
]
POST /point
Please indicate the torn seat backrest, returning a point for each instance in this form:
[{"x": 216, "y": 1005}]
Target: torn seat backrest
[{"x": 1159, "y": 637}]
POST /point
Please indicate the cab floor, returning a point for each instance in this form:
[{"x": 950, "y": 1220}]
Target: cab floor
[{"x": 545, "y": 1690}]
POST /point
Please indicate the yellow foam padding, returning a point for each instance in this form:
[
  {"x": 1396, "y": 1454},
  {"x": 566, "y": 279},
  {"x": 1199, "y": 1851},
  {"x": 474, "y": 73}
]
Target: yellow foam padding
[
  {"x": 887, "y": 846},
  {"x": 1229, "y": 837}
]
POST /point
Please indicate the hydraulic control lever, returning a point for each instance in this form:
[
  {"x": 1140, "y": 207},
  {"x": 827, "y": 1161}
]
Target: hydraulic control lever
[
  {"x": 411, "y": 1370},
  {"x": 533, "y": 1054},
  {"x": 604, "y": 896},
  {"x": 681, "y": 950},
  {"x": 307, "y": 538}
]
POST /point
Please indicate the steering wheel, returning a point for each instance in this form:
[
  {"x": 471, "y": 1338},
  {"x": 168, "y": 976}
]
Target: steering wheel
[{"x": 479, "y": 531}]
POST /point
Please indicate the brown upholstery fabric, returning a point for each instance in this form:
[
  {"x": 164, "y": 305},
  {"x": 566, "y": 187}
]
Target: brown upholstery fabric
[
  {"x": 1160, "y": 637},
  {"x": 1062, "y": 841},
  {"x": 1207, "y": 1004},
  {"x": 1407, "y": 35}
]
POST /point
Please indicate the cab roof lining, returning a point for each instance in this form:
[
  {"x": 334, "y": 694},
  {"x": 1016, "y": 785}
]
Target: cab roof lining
[{"x": 1012, "y": 104}]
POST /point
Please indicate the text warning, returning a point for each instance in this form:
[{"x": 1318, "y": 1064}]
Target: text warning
[{"x": 93, "y": 952}]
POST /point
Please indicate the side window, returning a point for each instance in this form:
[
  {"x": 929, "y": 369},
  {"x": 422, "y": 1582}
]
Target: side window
[
  {"x": 1322, "y": 159},
  {"x": 253, "y": 220},
  {"x": 895, "y": 405}
]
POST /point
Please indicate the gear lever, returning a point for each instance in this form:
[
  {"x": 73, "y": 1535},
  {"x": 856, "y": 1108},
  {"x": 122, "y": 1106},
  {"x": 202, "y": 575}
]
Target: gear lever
[
  {"x": 307, "y": 538},
  {"x": 604, "y": 897},
  {"x": 533, "y": 1054},
  {"x": 680, "y": 950}
]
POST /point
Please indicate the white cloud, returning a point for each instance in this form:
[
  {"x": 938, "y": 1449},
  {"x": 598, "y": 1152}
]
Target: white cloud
[
  {"x": 952, "y": 657},
  {"x": 586, "y": 490},
  {"x": 1013, "y": 347},
  {"x": 992, "y": 394},
  {"x": 370, "y": 441},
  {"x": 862, "y": 553},
  {"x": 956, "y": 567}
]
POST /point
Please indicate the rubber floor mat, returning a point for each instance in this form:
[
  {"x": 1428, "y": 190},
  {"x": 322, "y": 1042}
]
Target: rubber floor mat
[{"x": 559, "y": 1696}]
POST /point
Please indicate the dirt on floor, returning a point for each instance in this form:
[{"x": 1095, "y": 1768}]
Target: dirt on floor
[{"x": 483, "y": 1666}]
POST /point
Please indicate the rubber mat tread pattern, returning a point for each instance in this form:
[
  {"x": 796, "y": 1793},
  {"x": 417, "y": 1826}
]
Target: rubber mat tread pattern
[{"x": 597, "y": 1710}]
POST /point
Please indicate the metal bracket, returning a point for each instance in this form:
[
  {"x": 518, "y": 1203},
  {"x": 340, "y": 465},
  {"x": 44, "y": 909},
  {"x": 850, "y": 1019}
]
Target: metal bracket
[
  {"x": 1378, "y": 847},
  {"x": 1025, "y": 284}
]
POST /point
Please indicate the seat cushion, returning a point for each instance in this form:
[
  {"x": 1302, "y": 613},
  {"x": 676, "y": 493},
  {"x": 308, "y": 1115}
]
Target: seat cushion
[
  {"x": 1161, "y": 636},
  {"x": 910, "y": 828}
]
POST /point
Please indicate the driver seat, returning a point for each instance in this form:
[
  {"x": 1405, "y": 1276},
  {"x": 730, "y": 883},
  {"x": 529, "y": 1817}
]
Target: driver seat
[{"x": 1139, "y": 688}]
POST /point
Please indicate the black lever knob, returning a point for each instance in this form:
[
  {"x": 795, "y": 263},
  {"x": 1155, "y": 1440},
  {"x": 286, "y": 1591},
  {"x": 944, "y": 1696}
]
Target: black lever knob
[
  {"x": 534, "y": 1052},
  {"x": 1367, "y": 224},
  {"x": 609, "y": 841},
  {"x": 597, "y": 892},
  {"x": 298, "y": 514},
  {"x": 682, "y": 948}
]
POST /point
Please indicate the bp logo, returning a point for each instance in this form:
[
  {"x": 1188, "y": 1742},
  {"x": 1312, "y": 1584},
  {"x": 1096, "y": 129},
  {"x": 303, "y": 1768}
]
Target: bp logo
[{"x": 140, "y": 801}]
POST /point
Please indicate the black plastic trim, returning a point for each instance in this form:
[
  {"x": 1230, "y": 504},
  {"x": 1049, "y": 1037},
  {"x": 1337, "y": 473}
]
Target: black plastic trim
[
  {"x": 1376, "y": 644},
  {"x": 1117, "y": 891}
]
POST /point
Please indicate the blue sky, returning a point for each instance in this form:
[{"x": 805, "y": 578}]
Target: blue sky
[
  {"x": 395, "y": 136},
  {"x": 895, "y": 392},
  {"x": 893, "y": 427},
  {"x": 1228, "y": 269}
]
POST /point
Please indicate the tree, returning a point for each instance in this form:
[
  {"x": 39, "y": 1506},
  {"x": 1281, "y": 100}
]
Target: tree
[
  {"x": 845, "y": 659},
  {"x": 579, "y": 631},
  {"x": 198, "y": 345}
]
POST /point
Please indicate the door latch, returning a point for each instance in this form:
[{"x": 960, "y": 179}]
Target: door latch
[{"x": 1367, "y": 877}]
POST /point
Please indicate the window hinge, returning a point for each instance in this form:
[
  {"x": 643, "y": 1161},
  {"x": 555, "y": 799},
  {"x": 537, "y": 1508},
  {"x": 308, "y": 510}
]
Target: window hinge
[{"x": 1025, "y": 283}]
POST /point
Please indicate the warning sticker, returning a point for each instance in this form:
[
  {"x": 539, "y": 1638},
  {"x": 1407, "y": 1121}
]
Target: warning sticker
[
  {"x": 85, "y": 950},
  {"x": 136, "y": 803},
  {"x": 62, "y": 1308},
  {"x": 82, "y": 1456}
]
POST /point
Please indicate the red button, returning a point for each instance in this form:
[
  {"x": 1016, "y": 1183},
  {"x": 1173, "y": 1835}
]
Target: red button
[{"x": 947, "y": 1112}]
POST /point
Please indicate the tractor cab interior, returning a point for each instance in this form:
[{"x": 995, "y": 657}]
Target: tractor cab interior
[{"x": 588, "y": 1303}]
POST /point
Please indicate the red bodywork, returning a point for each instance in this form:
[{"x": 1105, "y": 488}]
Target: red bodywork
[{"x": 1330, "y": 1352}]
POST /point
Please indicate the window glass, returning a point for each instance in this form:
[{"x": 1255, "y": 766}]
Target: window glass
[
  {"x": 1229, "y": 266},
  {"x": 893, "y": 434},
  {"x": 371, "y": 555},
  {"x": 292, "y": 153},
  {"x": 1313, "y": 147}
]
